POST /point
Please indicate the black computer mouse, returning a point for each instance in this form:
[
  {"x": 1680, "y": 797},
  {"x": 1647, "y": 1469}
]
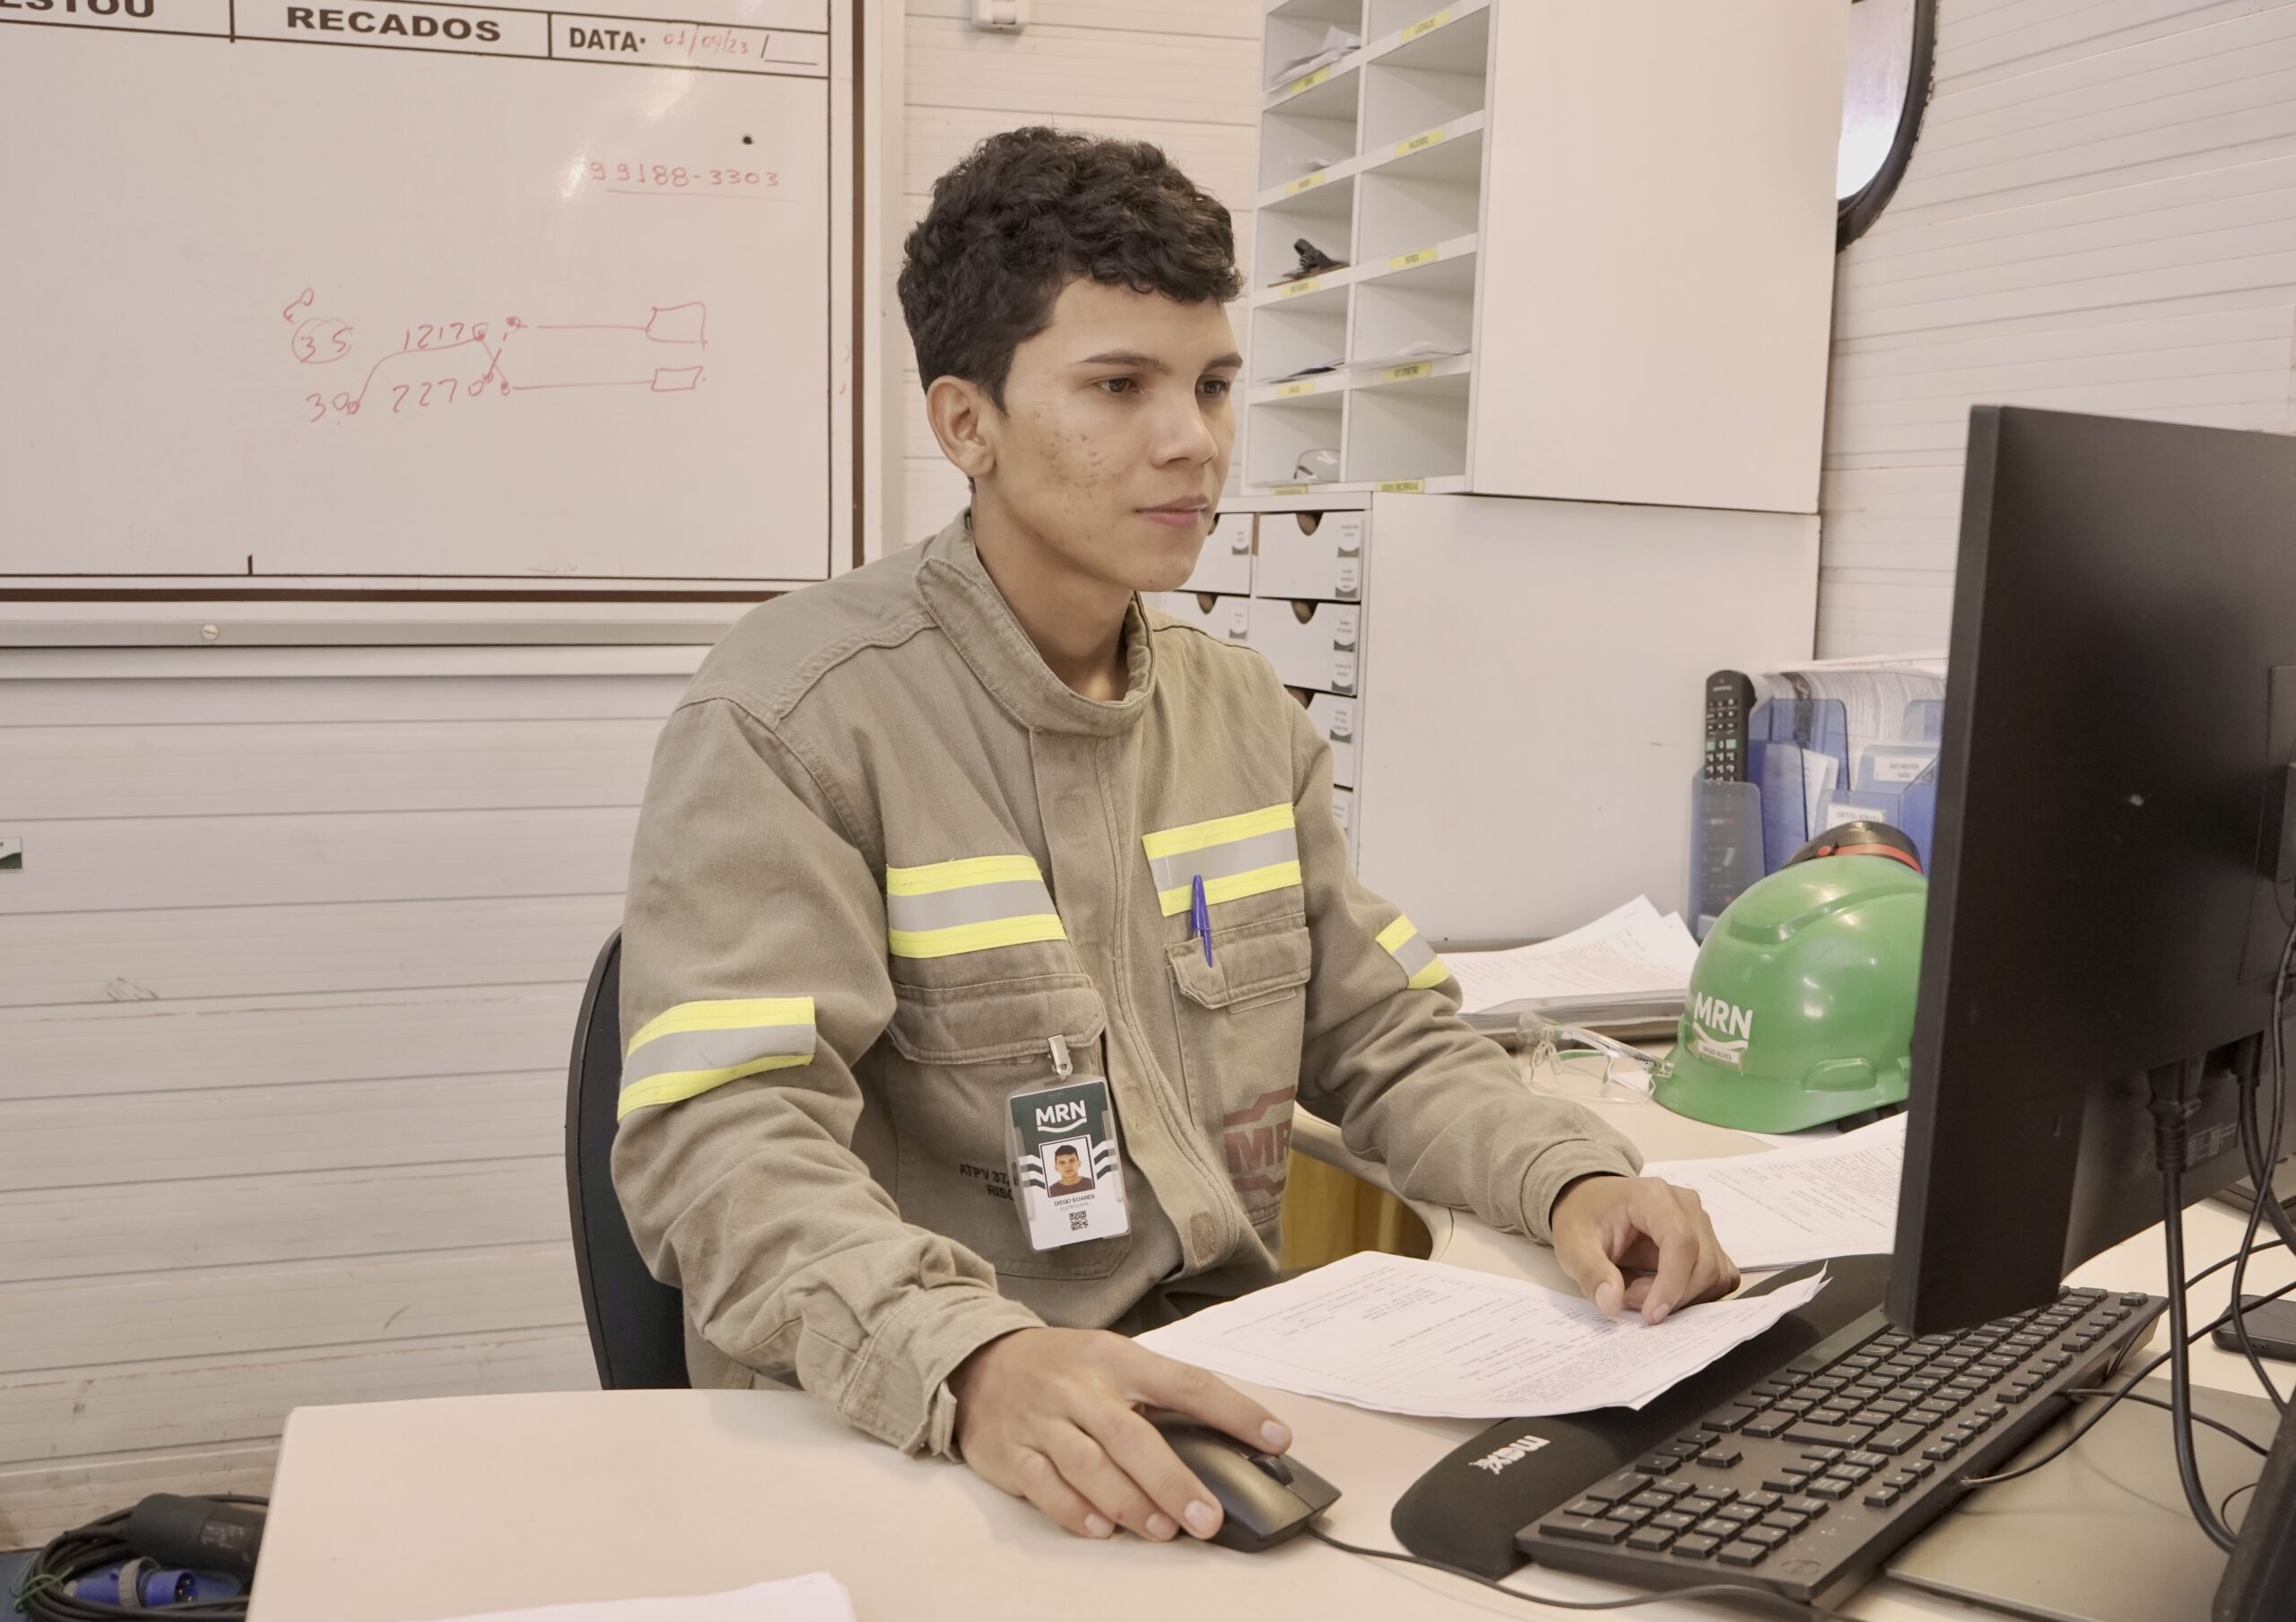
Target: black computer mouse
[{"x": 1265, "y": 1497}]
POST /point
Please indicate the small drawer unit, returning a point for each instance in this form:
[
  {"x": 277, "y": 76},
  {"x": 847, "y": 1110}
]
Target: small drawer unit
[
  {"x": 1229, "y": 618},
  {"x": 1335, "y": 717},
  {"x": 1316, "y": 555},
  {"x": 1303, "y": 567},
  {"x": 1224, "y": 566},
  {"x": 1316, "y": 645}
]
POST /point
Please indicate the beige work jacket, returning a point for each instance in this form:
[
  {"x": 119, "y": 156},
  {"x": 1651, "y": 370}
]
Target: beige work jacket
[{"x": 886, "y": 858}]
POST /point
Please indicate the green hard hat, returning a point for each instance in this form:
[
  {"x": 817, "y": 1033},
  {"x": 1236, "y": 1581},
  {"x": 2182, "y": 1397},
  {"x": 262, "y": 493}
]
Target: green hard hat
[{"x": 1801, "y": 1003}]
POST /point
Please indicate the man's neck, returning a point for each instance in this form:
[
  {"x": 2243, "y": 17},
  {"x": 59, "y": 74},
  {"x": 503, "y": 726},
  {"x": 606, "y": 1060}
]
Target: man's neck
[{"x": 1076, "y": 622}]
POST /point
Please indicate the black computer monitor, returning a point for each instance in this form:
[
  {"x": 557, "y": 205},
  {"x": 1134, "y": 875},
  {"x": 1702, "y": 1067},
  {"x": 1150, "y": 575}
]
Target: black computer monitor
[
  {"x": 2104, "y": 920},
  {"x": 2120, "y": 699}
]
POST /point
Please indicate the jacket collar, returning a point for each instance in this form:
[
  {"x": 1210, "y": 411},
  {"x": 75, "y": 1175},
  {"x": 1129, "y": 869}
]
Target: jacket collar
[{"x": 973, "y": 614}]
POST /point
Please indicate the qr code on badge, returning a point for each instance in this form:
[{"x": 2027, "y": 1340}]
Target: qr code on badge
[{"x": 1078, "y": 1219}]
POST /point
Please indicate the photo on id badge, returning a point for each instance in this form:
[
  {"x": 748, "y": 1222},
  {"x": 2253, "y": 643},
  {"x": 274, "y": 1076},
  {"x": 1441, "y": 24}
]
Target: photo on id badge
[{"x": 1065, "y": 1164}]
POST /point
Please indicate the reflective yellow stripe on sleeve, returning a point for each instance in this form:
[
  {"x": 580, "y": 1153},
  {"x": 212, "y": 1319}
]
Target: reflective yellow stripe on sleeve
[
  {"x": 1419, "y": 962},
  {"x": 695, "y": 1046},
  {"x": 1235, "y": 856},
  {"x": 974, "y": 904}
]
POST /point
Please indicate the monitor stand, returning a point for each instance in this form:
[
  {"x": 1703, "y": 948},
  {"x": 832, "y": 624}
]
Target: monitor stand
[
  {"x": 2241, "y": 1196},
  {"x": 2104, "y": 1533}
]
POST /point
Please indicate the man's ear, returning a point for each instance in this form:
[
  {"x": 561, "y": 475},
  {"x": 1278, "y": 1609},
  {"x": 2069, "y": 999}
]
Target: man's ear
[{"x": 965, "y": 421}]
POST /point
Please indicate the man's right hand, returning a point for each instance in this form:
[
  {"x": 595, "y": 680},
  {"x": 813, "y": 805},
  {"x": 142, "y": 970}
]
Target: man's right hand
[{"x": 1053, "y": 1415}]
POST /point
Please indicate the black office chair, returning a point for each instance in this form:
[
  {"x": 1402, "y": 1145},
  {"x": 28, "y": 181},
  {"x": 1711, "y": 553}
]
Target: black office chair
[{"x": 637, "y": 1324}]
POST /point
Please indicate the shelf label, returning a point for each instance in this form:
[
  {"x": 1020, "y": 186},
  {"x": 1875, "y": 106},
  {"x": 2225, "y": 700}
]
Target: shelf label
[
  {"x": 1307, "y": 183},
  {"x": 1403, "y": 374},
  {"x": 1287, "y": 490},
  {"x": 1343, "y": 721},
  {"x": 1424, "y": 255},
  {"x": 1401, "y": 486},
  {"x": 1343, "y": 670},
  {"x": 1296, "y": 288},
  {"x": 1307, "y": 82},
  {"x": 1421, "y": 142},
  {"x": 1240, "y": 619},
  {"x": 1289, "y": 391},
  {"x": 1427, "y": 25},
  {"x": 1350, "y": 576}
]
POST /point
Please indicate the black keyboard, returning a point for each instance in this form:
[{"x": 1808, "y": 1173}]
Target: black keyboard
[{"x": 1816, "y": 1475}]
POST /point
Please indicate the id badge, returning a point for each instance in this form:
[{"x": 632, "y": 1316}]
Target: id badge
[{"x": 1065, "y": 1164}]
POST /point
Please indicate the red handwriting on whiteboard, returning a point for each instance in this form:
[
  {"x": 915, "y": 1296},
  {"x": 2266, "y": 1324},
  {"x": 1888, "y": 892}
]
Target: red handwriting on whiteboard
[
  {"x": 700, "y": 179},
  {"x": 703, "y": 42},
  {"x": 439, "y": 365},
  {"x": 320, "y": 341}
]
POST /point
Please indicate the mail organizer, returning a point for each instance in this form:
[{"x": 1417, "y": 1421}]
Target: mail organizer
[{"x": 1825, "y": 744}]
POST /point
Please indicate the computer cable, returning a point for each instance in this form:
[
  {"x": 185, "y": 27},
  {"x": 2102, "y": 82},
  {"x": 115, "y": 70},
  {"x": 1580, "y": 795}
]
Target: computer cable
[
  {"x": 2225, "y": 1504},
  {"x": 2169, "y": 1116},
  {"x": 2262, "y": 1159},
  {"x": 2258, "y": 1155},
  {"x": 1719, "y": 1591},
  {"x": 45, "y": 1593},
  {"x": 2091, "y": 1420}
]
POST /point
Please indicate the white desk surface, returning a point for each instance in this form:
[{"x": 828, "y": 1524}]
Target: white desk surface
[{"x": 408, "y": 1512}]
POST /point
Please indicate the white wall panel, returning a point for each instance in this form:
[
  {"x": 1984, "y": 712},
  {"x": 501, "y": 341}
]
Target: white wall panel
[
  {"x": 181, "y": 1315},
  {"x": 70, "y": 957},
  {"x": 2099, "y": 216},
  {"x": 52, "y": 1492},
  {"x": 126, "y": 1137},
  {"x": 87, "y": 1050},
  {"x": 191, "y": 1404},
  {"x": 271, "y": 1215},
  {"x": 287, "y": 987},
  {"x": 1184, "y": 75},
  {"x": 1064, "y": 74},
  {"x": 241, "y": 770}
]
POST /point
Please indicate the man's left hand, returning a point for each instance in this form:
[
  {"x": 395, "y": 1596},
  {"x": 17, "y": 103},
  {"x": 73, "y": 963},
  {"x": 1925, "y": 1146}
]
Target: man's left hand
[{"x": 1657, "y": 1233}]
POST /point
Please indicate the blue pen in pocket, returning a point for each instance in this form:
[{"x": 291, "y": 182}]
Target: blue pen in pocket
[{"x": 1200, "y": 916}]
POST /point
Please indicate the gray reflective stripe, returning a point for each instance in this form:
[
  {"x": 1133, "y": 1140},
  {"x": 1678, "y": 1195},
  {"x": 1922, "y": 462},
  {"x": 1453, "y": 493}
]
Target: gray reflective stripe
[
  {"x": 974, "y": 904},
  {"x": 1413, "y": 954},
  {"x": 1222, "y": 861},
  {"x": 685, "y": 1050}
]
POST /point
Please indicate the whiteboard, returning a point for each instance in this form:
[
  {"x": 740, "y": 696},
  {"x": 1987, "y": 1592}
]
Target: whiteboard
[{"x": 427, "y": 292}]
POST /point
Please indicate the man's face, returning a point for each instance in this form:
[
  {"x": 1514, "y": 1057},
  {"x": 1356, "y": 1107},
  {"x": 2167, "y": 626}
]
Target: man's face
[
  {"x": 1065, "y": 1162},
  {"x": 1113, "y": 444}
]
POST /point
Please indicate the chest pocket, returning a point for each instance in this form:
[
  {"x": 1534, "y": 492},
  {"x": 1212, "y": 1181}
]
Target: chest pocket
[
  {"x": 955, "y": 1056},
  {"x": 1241, "y": 1018}
]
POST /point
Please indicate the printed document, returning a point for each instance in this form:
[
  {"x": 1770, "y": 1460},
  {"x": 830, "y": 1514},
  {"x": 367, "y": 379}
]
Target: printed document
[
  {"x": 1633, "y": 952},
  {"x": 816, "y": 1597},
  {"x": 1837, "y": 1197},
  {"x": 1403, "y": 1335}
]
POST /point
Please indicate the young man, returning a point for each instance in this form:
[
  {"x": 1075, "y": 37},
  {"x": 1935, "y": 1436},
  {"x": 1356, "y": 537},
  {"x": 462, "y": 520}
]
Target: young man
[
  {"x": 919, "y": 872},
  {"x": 1068, "y": 1171}
]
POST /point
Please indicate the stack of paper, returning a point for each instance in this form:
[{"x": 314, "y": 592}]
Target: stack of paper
[
  {"x": 1337, "y": 43},
  {"x": 1312, "y": 368},
  {"x": 1407, "y": 1337},
  {"x": 1423, "y": 349},
  {"x": 1836, "y": 1197},
  {"x": 817, "y": 1597},
  {"x": 1629, "y": 964}
]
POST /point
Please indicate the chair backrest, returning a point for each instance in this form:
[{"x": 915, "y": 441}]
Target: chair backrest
[{"x": 637, "y": 1324}]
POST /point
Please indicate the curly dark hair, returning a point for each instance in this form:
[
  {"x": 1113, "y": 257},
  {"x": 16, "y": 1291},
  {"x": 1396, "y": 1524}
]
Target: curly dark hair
[{"x": 1026, "y": 213}]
